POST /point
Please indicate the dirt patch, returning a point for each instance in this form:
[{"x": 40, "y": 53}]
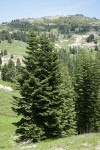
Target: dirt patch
[
  {"x": 31, "y": 146},
  {"x": 79, "y": 40},
  {"x": 57, "y": 45},
  {"x": 8, "y": 88},
  {"x": 98, "y": 147},
  {"x": 58, "y": 148}
]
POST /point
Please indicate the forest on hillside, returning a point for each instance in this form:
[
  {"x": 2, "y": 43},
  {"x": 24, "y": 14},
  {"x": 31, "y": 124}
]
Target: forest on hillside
[
  {"x": 59, "y": 97},
  {"x": 59, "y": 87}
]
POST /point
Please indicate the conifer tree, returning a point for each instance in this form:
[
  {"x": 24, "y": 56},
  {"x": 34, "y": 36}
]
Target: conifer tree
[
  {"x": 39, "y": 106},
  {"x": 8, "y": 71},
  {"x": 5, "y": 52},
  {"x": 87, "y": 88},
  {"x": 2, "y": 53},
  {"x": 4, "y": 72},
  {"x": 95, "y": 96},
  {"x": 0, "y": 60},
  {"x": 18, "y": 66},
  {"x": 67, "y": 94},
  {"x": 11, "y": 71}
]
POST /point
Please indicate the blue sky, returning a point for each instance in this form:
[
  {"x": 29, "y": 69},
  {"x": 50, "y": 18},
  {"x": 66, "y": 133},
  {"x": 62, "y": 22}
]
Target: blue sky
[{"x": 16, "y": 9}]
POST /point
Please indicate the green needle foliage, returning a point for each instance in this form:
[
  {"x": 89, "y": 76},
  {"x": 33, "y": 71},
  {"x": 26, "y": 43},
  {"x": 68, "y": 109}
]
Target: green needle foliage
[
  {"x": 68, "y": 95},
  {"x": 87, "y": 88},
  {"x": 40, "y": 104}
]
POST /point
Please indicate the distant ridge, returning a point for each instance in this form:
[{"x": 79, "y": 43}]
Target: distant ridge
[{"x": 31, "y": 20}]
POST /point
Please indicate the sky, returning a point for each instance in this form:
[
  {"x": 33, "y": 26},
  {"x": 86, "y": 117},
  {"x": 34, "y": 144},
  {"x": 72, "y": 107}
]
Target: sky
[{"x": 18, "y": 9}]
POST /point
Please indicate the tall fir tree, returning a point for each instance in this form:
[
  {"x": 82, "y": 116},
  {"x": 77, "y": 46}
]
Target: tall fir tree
[
  {"x": 4, "y": 72},
  {"x": 0, "y": 60},
  {"x": 8, "y": 71},
  {"x": 95, "y": 96},
  {"x": 39, "y": 106},
  {"x": 68, "y": 95},
  {"x": 18, "y": 67},
  {"x": 87, "y": 88}
]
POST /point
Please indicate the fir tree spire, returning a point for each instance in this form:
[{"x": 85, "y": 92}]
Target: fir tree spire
[{"x": 40, "y": 104}]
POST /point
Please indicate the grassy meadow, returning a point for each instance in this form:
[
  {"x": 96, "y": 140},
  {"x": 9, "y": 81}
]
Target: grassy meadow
[
  {"x": 7, "y": 117},
  {"x": 7, "y": 131},
  {"x": 15, "y": 48}
]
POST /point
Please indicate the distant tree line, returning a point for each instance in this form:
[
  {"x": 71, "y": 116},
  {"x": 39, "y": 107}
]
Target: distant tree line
[
  {"x": 10, "y": 71},
  {"x": 5, "y": 35},
  {"x": 21, "y": 25},
  {"x": 62, "y": 25}
]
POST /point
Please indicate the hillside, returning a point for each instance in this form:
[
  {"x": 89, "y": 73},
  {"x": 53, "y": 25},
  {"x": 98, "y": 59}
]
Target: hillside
[
  {"x": 7, "y": 136},
  {"x": 68, "y": 33},
  {"x": 65, "y": 31},
  {"x": 7, "y": 131}
]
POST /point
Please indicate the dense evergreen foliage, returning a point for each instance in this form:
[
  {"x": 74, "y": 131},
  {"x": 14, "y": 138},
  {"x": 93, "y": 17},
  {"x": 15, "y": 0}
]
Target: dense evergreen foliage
[
  {"x": 58, "y": 98},
  {"x": 87, "y": 88},
  {"x": 90, "y": 38},
  {"x": 18, "y": 35},
  {"x": 46, "y": 105},
  {"x": 10, "y": 71},
  {"x": 64, "y": 25},
  {"x": 67, "y": 94}
]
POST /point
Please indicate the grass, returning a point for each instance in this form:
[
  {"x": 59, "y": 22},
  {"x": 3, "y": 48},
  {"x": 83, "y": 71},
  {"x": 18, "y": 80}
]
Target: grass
[
  {"x": 6, "y": 98},
  {"x": 7, "y": 132},
  {"x": 64, "y": 43},
  {"x": 80, "y": 142},
  {"x": 7, "y": 117},
  {"x": 16, "y": 48},
  {"x": 5, "y": 83}
]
